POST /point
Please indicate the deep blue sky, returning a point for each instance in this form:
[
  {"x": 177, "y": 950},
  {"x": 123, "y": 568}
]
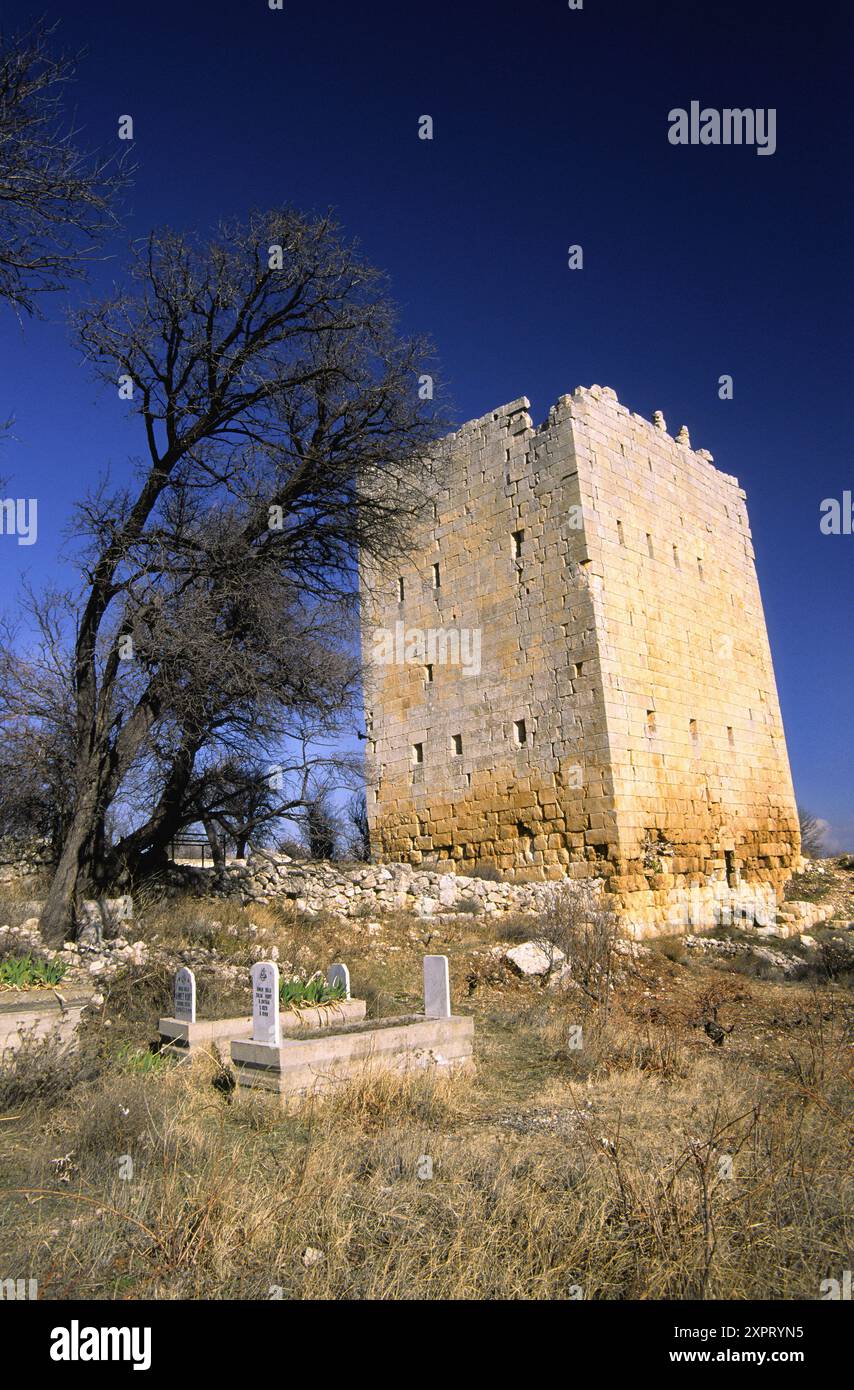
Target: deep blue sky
[{"x": 550, "y": 129}]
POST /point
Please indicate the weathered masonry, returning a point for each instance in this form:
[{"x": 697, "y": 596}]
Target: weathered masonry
[{"x": 571, "y": 675}]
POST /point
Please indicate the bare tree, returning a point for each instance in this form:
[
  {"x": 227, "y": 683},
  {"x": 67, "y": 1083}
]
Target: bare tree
[
  {"x": 359, "y": 826},
  {"x": 236, "y": 754},
  {"x": 248, "y": 802},
  {"x": 283, "y": 435},
  {"x": 36, "y": 728},
  {"x": 579, "y": 927},
  {"x": 55, "y": 200},
  {"x": 239, "y": 803},
  {"x": 34, "y": 805},
  {"x": 321, "y": 828},
  {"x": 813, "y": 833}
]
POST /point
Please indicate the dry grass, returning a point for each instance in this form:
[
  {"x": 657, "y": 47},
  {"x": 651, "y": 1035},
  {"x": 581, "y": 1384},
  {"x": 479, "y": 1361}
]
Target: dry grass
[
  {"x": 603, "y": 1168},
  {"x": 16, "y": 893}
]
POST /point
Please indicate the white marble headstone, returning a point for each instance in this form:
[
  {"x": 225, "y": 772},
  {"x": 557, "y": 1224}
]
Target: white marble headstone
[
  {"x": 265, "y": 1003},
  {"x": 437, "y": 987},
  {"x": 338, "y": 974},
  {"x": 185, "y": 995}
]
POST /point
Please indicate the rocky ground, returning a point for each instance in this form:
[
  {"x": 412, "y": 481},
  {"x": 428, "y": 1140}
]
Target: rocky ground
[
  {"x": 112, "y": 936},
  {"x": 589, "y": 1149}
]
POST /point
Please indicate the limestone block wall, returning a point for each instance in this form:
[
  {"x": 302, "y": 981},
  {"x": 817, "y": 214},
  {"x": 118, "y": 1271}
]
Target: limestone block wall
[
  {"x": 571, "y": 674},
  {"x": 702, "y": 788}
]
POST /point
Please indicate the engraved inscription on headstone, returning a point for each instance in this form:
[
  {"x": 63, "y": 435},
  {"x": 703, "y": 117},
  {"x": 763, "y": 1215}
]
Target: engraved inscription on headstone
[
  {"x": 265, "y": 1003},
  {"x": 185, "y": 995}
]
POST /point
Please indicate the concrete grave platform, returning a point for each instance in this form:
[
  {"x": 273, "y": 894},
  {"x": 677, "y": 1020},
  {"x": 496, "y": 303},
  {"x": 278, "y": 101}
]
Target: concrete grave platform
[
  {"x": 200, "y": 1035},
  {"x": 38, "y": 1013},
  {"x": 266, "y": 1023},
  {"x": 307, "y": 1064}
]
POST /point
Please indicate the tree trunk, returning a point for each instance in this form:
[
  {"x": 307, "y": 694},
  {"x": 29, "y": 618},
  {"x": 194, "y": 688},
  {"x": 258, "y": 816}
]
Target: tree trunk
[
  {"x": 146, "y": 850},
  {"x": 96, "y": 869},
  {"x": 215, "y": 842},
  {"x": 74, "y": 872}
]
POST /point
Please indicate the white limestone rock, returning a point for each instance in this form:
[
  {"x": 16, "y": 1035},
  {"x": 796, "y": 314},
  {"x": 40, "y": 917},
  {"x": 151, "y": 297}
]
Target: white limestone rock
[{"x": 531, "y": 959}]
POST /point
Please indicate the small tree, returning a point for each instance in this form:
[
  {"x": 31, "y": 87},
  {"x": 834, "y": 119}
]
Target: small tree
[
  {"x": 812, "y": 834},
  {"x": 321, "y": 828},
  {"x": 359, "y": 827},
  {"x": 579, "y": 924}
]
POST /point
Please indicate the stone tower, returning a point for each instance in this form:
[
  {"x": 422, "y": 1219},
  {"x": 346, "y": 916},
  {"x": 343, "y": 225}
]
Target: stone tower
[{"x": 571, "y": 674}]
